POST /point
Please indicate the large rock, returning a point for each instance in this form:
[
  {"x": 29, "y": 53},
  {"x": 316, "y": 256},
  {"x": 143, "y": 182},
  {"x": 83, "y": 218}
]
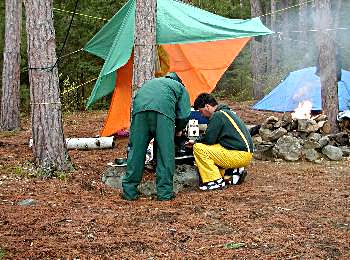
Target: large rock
[
  {"x": 345, "y": 150},
  {"x": 270, "y": 122},
  {"x": 263, "y": 151},
  {"x": 340, "y": 139},
  {"x": 309, "y": 144},
  {"x": 113, "y": 177},
  {"x": 324, "y": 140},
  {"x": 257, "y": 139},
  {"x": 286, "y": 119},
  {"x": 311, "y": 155},
  {"x": 265, "y": 134},
  {"x": 312, "y": 141},
  {"x": 333, "y": 153},
  {"x": 300, "y": 135},
  {"x": 288, "y": 148},
  {"x": 268, "y": 135},
  {"x": 307, "y": 125},
  {"x": 314, "y": 137},
  {"x": 278, "y": 133},
  {"x": 185, "y": 179}
]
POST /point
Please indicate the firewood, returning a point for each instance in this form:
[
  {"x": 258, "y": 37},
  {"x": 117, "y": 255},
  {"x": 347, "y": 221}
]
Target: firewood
[
  {"x": 320, "y": 117},
  {"x": 344, "y": 124},
  {"x": 325, "y": 127}
]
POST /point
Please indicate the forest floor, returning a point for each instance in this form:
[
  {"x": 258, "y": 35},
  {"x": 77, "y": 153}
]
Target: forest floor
[{"x": 283, "y": 210}]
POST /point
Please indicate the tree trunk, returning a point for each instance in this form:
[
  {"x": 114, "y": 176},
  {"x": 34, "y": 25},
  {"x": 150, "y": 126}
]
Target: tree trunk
[
  {"x": 302, "y": 23},
  {"x": 10, "y": 100},
  {"x": 338, "y": 6},
  {"x": 274, "y": 40},
  {"x": 257, "y": 55},
  {"x": 49, "y": 147},
  {"x": 145, "y": 43},
  {"x": 285, "y": 30},
  {"x": 327, "y": 63}
]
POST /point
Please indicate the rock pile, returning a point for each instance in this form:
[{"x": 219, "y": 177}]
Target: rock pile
[
  {"x": 300, "y": 139},
  {"x": 185, "y": 179}
]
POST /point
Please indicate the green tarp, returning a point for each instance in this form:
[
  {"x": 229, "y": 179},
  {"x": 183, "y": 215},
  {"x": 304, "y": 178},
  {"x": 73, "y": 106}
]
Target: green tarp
[{"x": 176, "y": 23}]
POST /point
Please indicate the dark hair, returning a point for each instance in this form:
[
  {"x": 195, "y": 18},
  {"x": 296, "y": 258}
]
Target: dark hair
[{"x": 204, "y": 99}]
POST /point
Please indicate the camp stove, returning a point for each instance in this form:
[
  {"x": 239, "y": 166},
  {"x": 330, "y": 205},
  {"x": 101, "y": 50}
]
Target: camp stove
[
  {"x": 193, "y": 129},
  {"x": 183, "y": 153}
]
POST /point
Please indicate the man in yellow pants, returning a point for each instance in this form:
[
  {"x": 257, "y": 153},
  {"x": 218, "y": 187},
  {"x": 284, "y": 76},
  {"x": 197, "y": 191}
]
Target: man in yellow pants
[{"x": 225, "y": 148}]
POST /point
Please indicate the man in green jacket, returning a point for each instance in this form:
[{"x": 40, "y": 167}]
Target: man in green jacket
[
  {"x": 161, "y": 108},
  {"x": 225, "y": 148}
]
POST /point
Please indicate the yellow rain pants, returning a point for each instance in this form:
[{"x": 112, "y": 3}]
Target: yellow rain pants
[{"x": 212, "y": 160}]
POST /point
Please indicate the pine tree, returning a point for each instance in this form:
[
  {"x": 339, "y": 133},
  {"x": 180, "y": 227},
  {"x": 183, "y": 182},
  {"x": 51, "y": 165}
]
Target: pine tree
[
  {"x": 257, "y": 55},
  {"x": 49, "y": 146},
  {"x": 10, "y": 99},
  {"x": 145, "y": 42},
  {"x": 327, "y": 64}
]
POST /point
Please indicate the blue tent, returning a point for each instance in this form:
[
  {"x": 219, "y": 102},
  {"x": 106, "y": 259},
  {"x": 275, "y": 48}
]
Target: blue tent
[{"x": 302, "y": 85}]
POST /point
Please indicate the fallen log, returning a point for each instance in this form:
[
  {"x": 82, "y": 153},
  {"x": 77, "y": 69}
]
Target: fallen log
[{"x": 87, "y": 143}]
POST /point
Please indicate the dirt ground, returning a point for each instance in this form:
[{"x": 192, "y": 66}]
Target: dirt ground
[{"x": 282, "y": 211}]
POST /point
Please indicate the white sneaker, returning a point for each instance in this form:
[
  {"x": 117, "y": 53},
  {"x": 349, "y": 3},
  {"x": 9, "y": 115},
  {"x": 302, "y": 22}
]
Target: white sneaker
[{"x": 213, "y": 185}]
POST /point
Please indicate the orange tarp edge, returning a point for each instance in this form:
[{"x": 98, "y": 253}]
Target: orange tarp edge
[
  {"x": 118, "y": 117},
  {"x": 199, "y": 65}
]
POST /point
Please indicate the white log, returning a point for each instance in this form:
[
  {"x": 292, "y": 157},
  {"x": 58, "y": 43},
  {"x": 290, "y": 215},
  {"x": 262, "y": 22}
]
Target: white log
[{"x": 87, "y": 143}]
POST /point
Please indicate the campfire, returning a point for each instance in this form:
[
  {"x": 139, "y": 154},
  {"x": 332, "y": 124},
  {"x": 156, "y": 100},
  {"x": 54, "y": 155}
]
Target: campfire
[
  {"x": 301, "y": 136},
  {"x": 303, "y": 111}
]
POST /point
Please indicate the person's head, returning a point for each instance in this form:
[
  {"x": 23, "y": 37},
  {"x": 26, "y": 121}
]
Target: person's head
[{"x": 206, "y": 104}]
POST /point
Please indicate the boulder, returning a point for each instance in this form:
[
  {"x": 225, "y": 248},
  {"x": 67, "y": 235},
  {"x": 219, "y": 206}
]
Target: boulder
[
  {"x": 288, "y": 148},
  {"x": 340, "y": 139},
  {"x": 257, "y": 139},
  {"x": 309, "y": 144},
  {"x": 270, "y": 122},
  {"x": 263, "y": 151},
  {"x": 323, "y": 141},
  {"x": 286, "y": 119},
  {"x": 314, "y": 137},
  {"x": 265, "y": 134},
  {"x": 277, "y": 133},
  {"x": 268, "y": 135},
  {"x": 345, "y": 150},
  {"x": 307, "y": 125},
  {"x": 311, "y": 155},
  {"x": 186, "y": 178},
  {"x": 333, "y": 153}
]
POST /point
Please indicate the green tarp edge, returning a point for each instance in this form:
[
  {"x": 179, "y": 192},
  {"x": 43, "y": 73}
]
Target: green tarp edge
[{"x": 124, "y": 40}]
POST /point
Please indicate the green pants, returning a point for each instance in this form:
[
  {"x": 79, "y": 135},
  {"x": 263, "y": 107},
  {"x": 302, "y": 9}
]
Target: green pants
[{"x": 145, "y": 126}]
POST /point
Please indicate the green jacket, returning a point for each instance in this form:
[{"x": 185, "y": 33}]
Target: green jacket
[
  {"x": 221, "y": 131},
  {"x": 165, "y": 95}
]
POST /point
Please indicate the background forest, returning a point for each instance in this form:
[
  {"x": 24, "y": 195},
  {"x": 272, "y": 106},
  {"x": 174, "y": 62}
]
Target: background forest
[{"x": 292, "y": 47}]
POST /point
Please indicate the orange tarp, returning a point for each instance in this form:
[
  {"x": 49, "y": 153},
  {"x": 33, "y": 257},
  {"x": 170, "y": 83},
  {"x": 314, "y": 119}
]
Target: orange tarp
[
  {"x": 118, "y": 117},
  {"x": 199, "y": 65}
]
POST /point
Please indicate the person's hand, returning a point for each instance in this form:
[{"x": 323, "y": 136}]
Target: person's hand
[{"x": 189, "y": 143}]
